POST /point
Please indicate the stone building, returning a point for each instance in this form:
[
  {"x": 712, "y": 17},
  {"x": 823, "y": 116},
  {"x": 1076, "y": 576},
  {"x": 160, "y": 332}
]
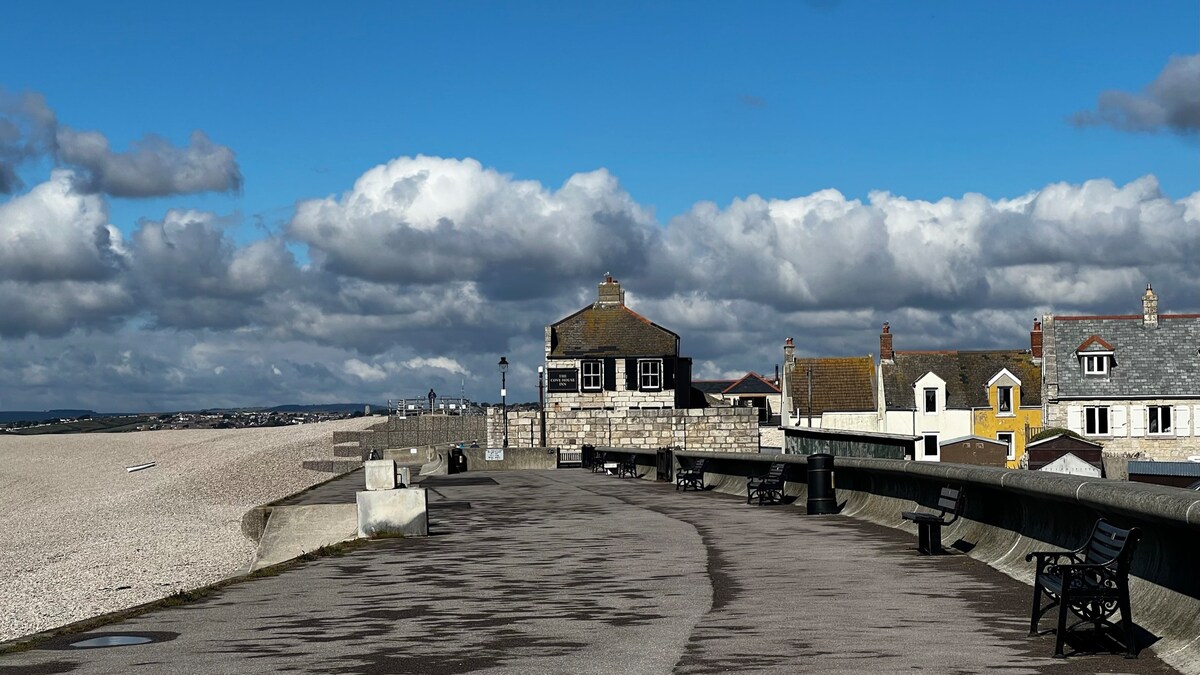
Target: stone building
[
  {"x": 1130, "y": 382},
  {"x": 608, "y": 357},
  {"x": 751, "y": 390}
]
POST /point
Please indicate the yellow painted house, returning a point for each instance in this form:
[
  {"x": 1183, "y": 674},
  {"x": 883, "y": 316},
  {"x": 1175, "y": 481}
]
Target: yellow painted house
[{"x": 1013, "y": 405}]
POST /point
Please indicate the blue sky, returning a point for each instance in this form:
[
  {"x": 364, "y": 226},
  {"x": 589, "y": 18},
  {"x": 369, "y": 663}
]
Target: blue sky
[{"x": 679, "y": 102}]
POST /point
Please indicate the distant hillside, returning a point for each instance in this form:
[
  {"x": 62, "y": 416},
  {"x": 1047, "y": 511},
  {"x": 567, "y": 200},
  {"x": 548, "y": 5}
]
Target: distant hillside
[{"x": 7, "y": 416}]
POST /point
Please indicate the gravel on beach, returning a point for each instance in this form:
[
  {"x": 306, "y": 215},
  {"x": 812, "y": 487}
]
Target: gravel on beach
[{"x": 80, "y": 536}]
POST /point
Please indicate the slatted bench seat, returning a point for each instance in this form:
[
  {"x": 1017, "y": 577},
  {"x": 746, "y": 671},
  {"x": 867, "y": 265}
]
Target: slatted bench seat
[
  {"x": 929, "y": 525},
  {"x": 1091, "y": 582},
  {"x": 768, "y": 488},
  {"x": 692, "y": 477}
]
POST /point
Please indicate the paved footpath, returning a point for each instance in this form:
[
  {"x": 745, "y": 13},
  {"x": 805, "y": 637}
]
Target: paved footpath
[{"x": 573, "y": 572}]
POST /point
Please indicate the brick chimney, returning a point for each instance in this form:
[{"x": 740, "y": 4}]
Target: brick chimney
[
  {"x": 885, "y": 345},
  {"x": 1149, "y": 308},
  {"x": 789, "y": 353},
  {"x": 1035, "y": 341},
  {"x": 611, "y": 294}
]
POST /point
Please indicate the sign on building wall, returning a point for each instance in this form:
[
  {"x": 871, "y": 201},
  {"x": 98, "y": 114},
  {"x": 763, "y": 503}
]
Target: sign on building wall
[
  {"x": 562, "y": 380},
  {"x": 494, "y": 454}
]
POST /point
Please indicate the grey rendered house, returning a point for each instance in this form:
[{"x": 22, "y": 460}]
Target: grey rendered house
[{"x": 1129, "y": 382}]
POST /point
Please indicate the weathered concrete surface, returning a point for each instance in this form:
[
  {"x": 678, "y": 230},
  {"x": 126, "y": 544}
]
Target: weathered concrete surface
[
  {"x": 1011, "y": 513},
  {"x": 573, "y": 572},
  {"x": 380, "y": 474},
  {"x": 295, "y": 530},
  {"x": 403, "y": 512}
]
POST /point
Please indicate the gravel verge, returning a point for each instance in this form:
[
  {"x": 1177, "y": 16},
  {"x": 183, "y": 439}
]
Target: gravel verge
[{"x": 80, "y": 536}]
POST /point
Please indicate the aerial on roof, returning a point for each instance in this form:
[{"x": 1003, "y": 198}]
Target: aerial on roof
[
  {"x": 839, "y": 384},
  {"x": 965, "y": 373},
  {"x": 609, "y": 328}
]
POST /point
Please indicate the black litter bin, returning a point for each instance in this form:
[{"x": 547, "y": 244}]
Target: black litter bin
[
  {"x": 821, "y": 497},
  {"x": 458, "y": 461}
]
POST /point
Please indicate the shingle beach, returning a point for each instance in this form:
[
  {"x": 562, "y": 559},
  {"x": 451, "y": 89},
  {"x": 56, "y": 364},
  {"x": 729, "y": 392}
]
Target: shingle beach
[{"x": 81, "y": 536}]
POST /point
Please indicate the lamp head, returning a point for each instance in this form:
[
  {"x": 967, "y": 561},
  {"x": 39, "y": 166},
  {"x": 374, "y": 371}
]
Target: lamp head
[{"x": 503, "y": 364}]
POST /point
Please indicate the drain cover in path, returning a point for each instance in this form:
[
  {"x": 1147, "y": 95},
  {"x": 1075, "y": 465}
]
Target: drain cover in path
[
  {"x": 439, "y": 481},
  {"x": 100, "y": 640}
]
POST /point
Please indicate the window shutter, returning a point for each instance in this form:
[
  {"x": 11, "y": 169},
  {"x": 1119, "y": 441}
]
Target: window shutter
[
  {"x": 610, "y": 374},
  {"x": 668, "y": 373},
  {"x": 1181, "y": 420},
  {"x": 631, "y": 375},
  {"x": 1196, "y": 417},
  {"x": 1137, "y": 421},
  {"x": 1116, "y": 421},
  {"x": 1075, "y": 418}
]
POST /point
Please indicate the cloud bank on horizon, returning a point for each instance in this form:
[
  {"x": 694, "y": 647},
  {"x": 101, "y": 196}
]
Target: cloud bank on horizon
[{"x": 427, "y": 268}]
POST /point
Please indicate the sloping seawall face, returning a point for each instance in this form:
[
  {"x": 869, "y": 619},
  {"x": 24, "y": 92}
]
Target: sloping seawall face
[{"x": 1009, "y": 513}]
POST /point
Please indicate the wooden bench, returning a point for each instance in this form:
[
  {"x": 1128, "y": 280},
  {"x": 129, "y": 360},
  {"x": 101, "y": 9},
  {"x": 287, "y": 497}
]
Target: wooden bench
[
  {"x": 1091, "y": 582},
  {"x": 692, "y": 477},
  {"x": 597, "y": 461},
  {"x": 768, "y": 488},
  {"x": 929, "y": 525}
]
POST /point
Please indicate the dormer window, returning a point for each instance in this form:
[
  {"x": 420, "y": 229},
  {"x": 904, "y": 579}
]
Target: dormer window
[
  {"x": 1095, "y": 364},
  {"x": 1095, "y": 355}
]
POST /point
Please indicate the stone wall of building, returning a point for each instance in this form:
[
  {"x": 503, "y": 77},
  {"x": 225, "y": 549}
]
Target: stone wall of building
[
  {"x": 620, "y": 398},
  {"x": 715, "y": 429}
]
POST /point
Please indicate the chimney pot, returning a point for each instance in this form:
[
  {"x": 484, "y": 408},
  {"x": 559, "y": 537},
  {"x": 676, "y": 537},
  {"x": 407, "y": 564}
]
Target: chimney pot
[
  {"x": 1149, "y": 307},
  {"x": 1035, "y": 340}
]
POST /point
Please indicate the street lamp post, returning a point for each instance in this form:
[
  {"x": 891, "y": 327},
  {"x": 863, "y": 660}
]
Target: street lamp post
[
  {"x": 542, "y": 403},
  {"x": 504, "y": 396}
]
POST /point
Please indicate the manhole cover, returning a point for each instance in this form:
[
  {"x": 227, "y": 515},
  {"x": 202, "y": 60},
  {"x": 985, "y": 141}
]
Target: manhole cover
[{"x": 112, "y": 641}]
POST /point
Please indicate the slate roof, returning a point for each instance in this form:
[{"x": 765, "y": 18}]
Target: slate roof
[
  {"x": 1148, "y": 362},
  {"x": 751, "y": 383},
  {"x": 610, "y": 330},
  {"x": 712, "y": 386},
  {"x": 966, "y": 374},
  {"x": 840, "y": 384}
]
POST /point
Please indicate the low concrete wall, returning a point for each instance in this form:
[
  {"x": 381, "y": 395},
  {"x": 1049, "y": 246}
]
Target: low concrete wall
[
  {"x": 515, "y": 459},
  {"x": 1009, "y": 513}
]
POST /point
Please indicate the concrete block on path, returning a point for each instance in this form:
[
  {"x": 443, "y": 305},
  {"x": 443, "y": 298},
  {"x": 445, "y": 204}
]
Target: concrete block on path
[
  {"x": 403, "y": 512},
  {"x": 381, "y": 474}
]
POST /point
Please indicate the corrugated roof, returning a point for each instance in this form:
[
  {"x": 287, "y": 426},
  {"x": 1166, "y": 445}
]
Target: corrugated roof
[
  {"x": 839, "y": 384},
  {"x": 1187, "y": 469},
  {"x": 966, "y": 374},
  {"x": 610, "y": 330},
  {"x": 1147, "y": 361}
]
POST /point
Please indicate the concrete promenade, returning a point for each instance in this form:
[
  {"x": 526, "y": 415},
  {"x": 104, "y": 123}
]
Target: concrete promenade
[{"x": 572, "y": 572}]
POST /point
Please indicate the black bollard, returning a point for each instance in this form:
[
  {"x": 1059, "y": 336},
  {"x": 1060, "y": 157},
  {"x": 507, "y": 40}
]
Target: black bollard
[{"x": 821, "y": 497}]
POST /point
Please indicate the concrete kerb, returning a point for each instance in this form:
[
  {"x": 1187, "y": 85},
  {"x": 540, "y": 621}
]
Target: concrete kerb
[{"x": 1011, "y": 513}]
